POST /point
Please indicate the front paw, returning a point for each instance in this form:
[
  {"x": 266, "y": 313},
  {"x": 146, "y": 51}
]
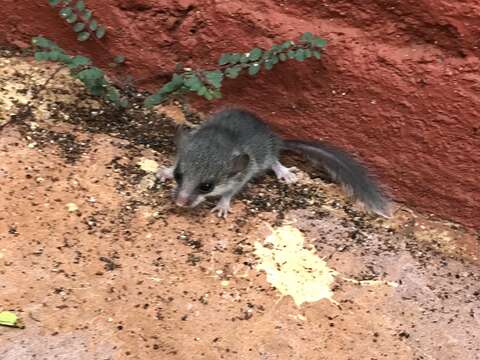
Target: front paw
[
  {"x": 165, "y": 173},
  {"x": 222, "y": 210}
]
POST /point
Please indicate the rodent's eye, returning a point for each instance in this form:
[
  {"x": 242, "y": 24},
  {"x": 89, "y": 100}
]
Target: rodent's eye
[
  {"x": 205, "y": 187},
  {"x": 177, "y": 176}
]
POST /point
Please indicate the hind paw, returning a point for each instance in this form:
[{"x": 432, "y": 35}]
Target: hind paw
[{"x": 284, "y": 173}]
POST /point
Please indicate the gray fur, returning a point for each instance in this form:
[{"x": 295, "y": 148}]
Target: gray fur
[
  {"x": 344, "y": 169},
  {"x": 234, "y": 145}
]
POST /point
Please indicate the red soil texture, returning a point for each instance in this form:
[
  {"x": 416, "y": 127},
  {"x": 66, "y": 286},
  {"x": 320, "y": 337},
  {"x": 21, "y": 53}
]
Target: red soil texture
[{"x": 398, "y": 85}]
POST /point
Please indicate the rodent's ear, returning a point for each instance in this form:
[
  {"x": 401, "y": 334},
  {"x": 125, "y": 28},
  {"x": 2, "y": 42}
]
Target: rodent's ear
[
  {"x": 239, "y": 163},
  {"x": 181, "y": 135}
]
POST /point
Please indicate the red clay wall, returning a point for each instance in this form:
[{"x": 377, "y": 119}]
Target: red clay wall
[{"x": 399, "y": 84}]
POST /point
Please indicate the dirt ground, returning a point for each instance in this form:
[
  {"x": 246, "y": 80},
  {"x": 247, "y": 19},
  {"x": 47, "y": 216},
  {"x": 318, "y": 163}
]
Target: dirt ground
[{"x": 100, "y": 265}]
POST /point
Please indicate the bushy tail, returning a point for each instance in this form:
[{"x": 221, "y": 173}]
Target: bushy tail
[{"x": 346, "y": 170}]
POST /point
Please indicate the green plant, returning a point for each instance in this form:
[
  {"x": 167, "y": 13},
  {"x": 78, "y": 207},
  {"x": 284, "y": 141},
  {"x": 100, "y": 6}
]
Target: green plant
[
  {"x": 83, "y": 23},
  {"x": 86, "y": 26},
  {"x": 80, "y": 18},
  {"x": 208, "y": 83},
  {"x": 80, "y": 67}
]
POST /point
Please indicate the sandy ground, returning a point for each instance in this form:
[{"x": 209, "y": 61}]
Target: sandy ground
[{"x": 100, "y": 265}]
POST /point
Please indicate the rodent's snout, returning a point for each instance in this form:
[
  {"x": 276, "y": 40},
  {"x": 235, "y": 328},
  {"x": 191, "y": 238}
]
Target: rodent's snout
[
  {"x": 182, "y": 201},
  {"x": 185, "y": 199}
]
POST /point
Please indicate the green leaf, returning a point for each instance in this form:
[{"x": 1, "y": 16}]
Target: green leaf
[
  {"x": 308, "y": 53},
  {"x": 286, "y": 45},
  {"x": 112, "y": 94},
  {"x": 123, "y": 103},
  {"x": 93, "y": 25},
  {"x": 282, "y": 57},
  {"x": 54, "y": 55},
  {"x": 153, "y": 100},
  {"x": 42, "y": 42},
  {"x": 244, "y": 58},
  {"x": 91, "y": 74},
  {"x": 233, "y": 72},
  {"x": 80, "y": 60},
  {"x": 66, "y": 59},
  {"x": 173, "y": 85},
  {"x": 202, "y": 91},
  {"x": 254, "y": 69},
  {"x": 79, "y": 27},
  {"x": 229, "y": 58},
  {"x": 217, "y": 94},
  {"x": 275, "y": 48},
  {"x": 267, "y": 54},
  {"x": 8, "y": 318},
  {"x": 317, "y": 54},
  {"x": 170, "y": 87},
  {"x": 235, "y": 58},
  {"x": 224, "y": 59},
  {"x": 268, "y": 64},
  {"x": 41, "y": 55},
  {"x": 96, "y": 88},
  {"x": 215, "y": 78},
  {"x": 319, "y": 42},
  {"x": 83, "y": 36},
  {"x": 54, "y": 2},
  {"x": 80, "y": 5},
  {"x": 66, "y": 12},
  {"x": 87, "y": 14},
  {"x": 178, "y": 80},
  {"x": 307, "y": 37},
  {"x": 193, "y": 82},
  {"x": 291, "y": 54},
  {"x": 119, "y": 59},
  {"x": 208, "y": 95},
  {"x": 100, "y": 33},
  {"x": 71, "y": 19},
  {"x": 300, "y": 55},
  {"x": 255, "y": 54},
  {"x": 274, "y": 59}
]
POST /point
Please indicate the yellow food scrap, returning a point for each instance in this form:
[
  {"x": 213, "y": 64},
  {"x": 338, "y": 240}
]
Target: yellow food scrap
[
  {"x": 8, "y": 318},
  {"x": 299, "y": 272},
  {"x": 293, "y": 270},
  {"x": 72, "y": 207},
  {"x": 147, "y": 165}
]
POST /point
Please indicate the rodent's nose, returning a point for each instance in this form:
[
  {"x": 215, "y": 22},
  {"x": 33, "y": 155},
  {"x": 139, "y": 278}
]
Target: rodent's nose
[{"x": 182, "y": 201}]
